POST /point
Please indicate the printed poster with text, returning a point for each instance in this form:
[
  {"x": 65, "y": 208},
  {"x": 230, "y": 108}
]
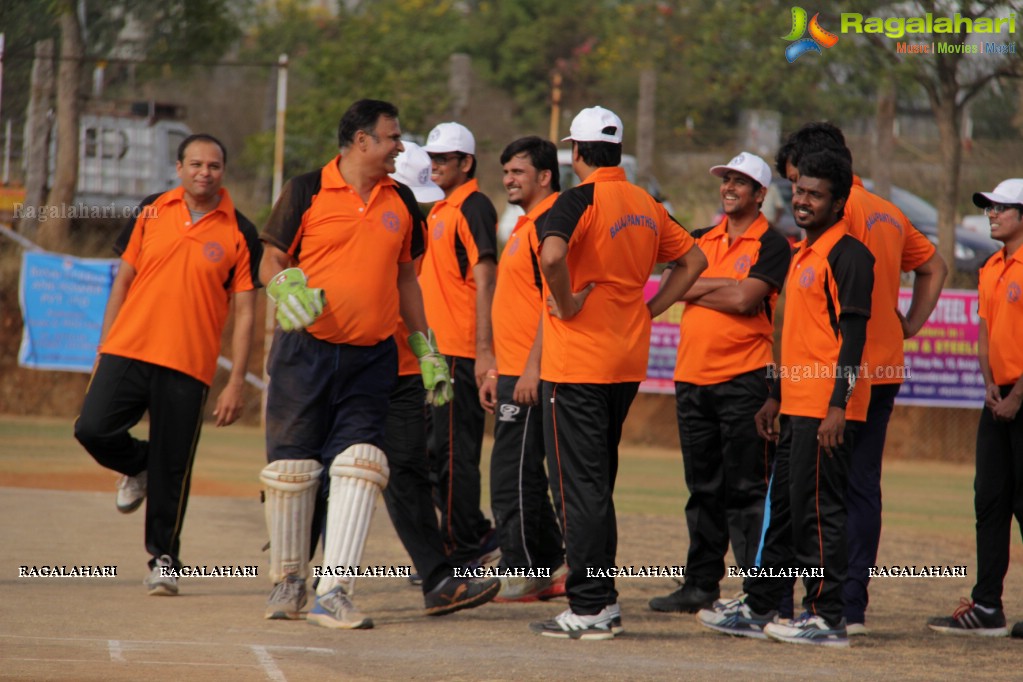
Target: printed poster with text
[
  {"x": 942, "y": 369},
  {"x": 62, "y": 304}
]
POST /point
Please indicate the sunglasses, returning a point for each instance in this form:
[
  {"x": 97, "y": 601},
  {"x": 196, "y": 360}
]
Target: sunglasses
[
  {"x": 444, "y": 159},
  {"x": 997, "y": 209}
]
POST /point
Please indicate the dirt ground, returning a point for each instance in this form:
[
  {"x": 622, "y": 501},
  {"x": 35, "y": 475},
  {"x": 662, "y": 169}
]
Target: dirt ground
[{"x": 109, "y": 629}]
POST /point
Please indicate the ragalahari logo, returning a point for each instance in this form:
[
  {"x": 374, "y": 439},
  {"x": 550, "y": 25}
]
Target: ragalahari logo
[{"x": 818, "y": 36}]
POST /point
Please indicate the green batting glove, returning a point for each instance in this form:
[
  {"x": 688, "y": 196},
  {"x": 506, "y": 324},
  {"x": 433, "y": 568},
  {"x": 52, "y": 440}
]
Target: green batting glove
[
  {"x": 297, "y": 304},
  {"x": 436, "y": 378}
]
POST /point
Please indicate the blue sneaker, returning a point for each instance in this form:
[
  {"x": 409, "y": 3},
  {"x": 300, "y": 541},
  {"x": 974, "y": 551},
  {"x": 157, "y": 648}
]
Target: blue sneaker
[
  {"x": 734, "y": 617},
  {"x": 809, "y": 629}
]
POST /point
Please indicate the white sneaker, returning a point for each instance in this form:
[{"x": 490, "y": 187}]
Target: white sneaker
[
  {"x": 131, "y": 492},
  {"x": 159, "y": 584},
  {"x": 809, "y": 629},
  {"x": 569, "y": 625},
  {"x": 336, "y": 610},
  {"x": 735, "y": 617},
  {"x": 286, "y": 599}
]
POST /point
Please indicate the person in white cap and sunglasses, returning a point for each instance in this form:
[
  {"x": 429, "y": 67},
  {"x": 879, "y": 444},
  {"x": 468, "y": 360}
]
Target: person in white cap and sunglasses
[
  {"x": 458, "y": 280},
  {"x": 598, "y": 247},
  {"x": 408, "y": 495},
  {"x": 998, "y": 487},
  {"x": 726, "y": 345}
]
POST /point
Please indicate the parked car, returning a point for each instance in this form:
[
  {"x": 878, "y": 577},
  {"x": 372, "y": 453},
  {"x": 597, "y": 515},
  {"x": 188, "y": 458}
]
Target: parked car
[
  {"x": 569, "y": 179},
  {"x": 971, "y": 248}
]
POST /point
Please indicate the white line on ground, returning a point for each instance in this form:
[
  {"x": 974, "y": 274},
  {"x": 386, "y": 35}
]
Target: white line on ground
[
  {"x": 116, "y": 652},
  {"x": 91, "y": 660},
  {"x": 266, "y": 662},
  {"x": 309, "y": 649}
]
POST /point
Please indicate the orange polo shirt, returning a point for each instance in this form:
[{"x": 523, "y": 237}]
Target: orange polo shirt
[
  {"x": 1001, "y": 307},
  {"x": 715, "y": 347},
  {"x": 348, "y": 248},
  {"x": 831, "y": 277},
  {"x": 462, "y": 229},
  {"x": 616, "y": 233},
  {"x": 897, "y": 247},
  {"x": 518, "y": 299},
  {"x": 176, "y": 307}
]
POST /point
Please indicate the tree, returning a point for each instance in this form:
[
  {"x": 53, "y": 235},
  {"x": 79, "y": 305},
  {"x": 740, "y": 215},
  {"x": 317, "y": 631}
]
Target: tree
[
  {"x": 181, "y": 32},
  {"x": 951, "y": 80},
  {"x": 54, "y": 233},
  {"x": 396, "y": 50}
]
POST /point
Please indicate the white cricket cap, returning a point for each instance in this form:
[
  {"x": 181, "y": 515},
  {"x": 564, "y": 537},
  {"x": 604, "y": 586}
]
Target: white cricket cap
[
  {"x": 450, "y": 137},
  {"x": 595, "y": 124},
  {"x": 412, "y": 168},
  {"x": 1008, "y": 192},
  {"x": 750, "y": 165}
]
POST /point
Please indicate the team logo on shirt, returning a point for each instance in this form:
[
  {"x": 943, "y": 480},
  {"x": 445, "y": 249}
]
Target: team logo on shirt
[
  {"x": 1013, "y": 292},
  {"x": 742, "y": 264},
  {"x": 391, "y": 221},
  {"x": 808, "y": 277},
  {"x": 508, "y": 412},
  {"x": 438, "y": 229},
  {"x": 213, "y": 251}
]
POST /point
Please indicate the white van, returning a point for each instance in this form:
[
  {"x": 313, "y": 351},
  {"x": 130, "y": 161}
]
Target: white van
[{"x": 122, "y": 158}]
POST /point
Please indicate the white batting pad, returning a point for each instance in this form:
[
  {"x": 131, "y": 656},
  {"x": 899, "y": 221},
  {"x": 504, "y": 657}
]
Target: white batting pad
[
  {"x": 356, "y": 478},
  {"x": 291, "y": 488}
]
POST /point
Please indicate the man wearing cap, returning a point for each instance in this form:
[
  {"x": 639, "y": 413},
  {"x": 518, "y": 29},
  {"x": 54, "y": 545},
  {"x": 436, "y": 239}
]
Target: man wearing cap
[
  {"x": 458, "y": 279},
  {"x": 527, "y": 528},
  {"x": 897, "y": 247},
  {"x": 408, "y": 494},
  {"x": 598, "y": 248},
  {"x": 998, "y": 487},
  {"x": 726, "y": 345},
  {"x": 822, "y": 397}
]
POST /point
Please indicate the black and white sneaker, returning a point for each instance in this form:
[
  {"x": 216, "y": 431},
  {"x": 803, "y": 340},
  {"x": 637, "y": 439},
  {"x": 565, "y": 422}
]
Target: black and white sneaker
[
  {"x": 970, "y": 619},
  {"x": 568, "y": 625},
  {"x": 808, "y": 629}
]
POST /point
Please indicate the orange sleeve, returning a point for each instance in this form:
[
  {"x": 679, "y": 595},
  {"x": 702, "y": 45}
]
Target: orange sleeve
[
  {"x": 916, "y": 250},
  {"x": 674, "y": 241},
  {"x": 983, "y": 299},
  {"x": 130, "y": 254}
]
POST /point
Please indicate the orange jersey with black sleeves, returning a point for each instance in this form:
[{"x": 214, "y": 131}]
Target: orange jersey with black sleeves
[
  {"x": 897, "y": 247},
  {"x": 176, "y": 307},
  {"x": 616, "y": 233},
  {"x": 518, "y": 298},
  {"x": 831, "y": 277},
  {"x": 462, "y": 229},
  {"x": 714, "y": 346},
  {"x": 348, "y": 248},
  {"x": 1000, "y": 293}
]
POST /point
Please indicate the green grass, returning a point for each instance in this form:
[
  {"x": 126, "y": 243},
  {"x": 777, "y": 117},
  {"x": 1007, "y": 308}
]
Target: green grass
[{"x": 930, "y": 497}]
